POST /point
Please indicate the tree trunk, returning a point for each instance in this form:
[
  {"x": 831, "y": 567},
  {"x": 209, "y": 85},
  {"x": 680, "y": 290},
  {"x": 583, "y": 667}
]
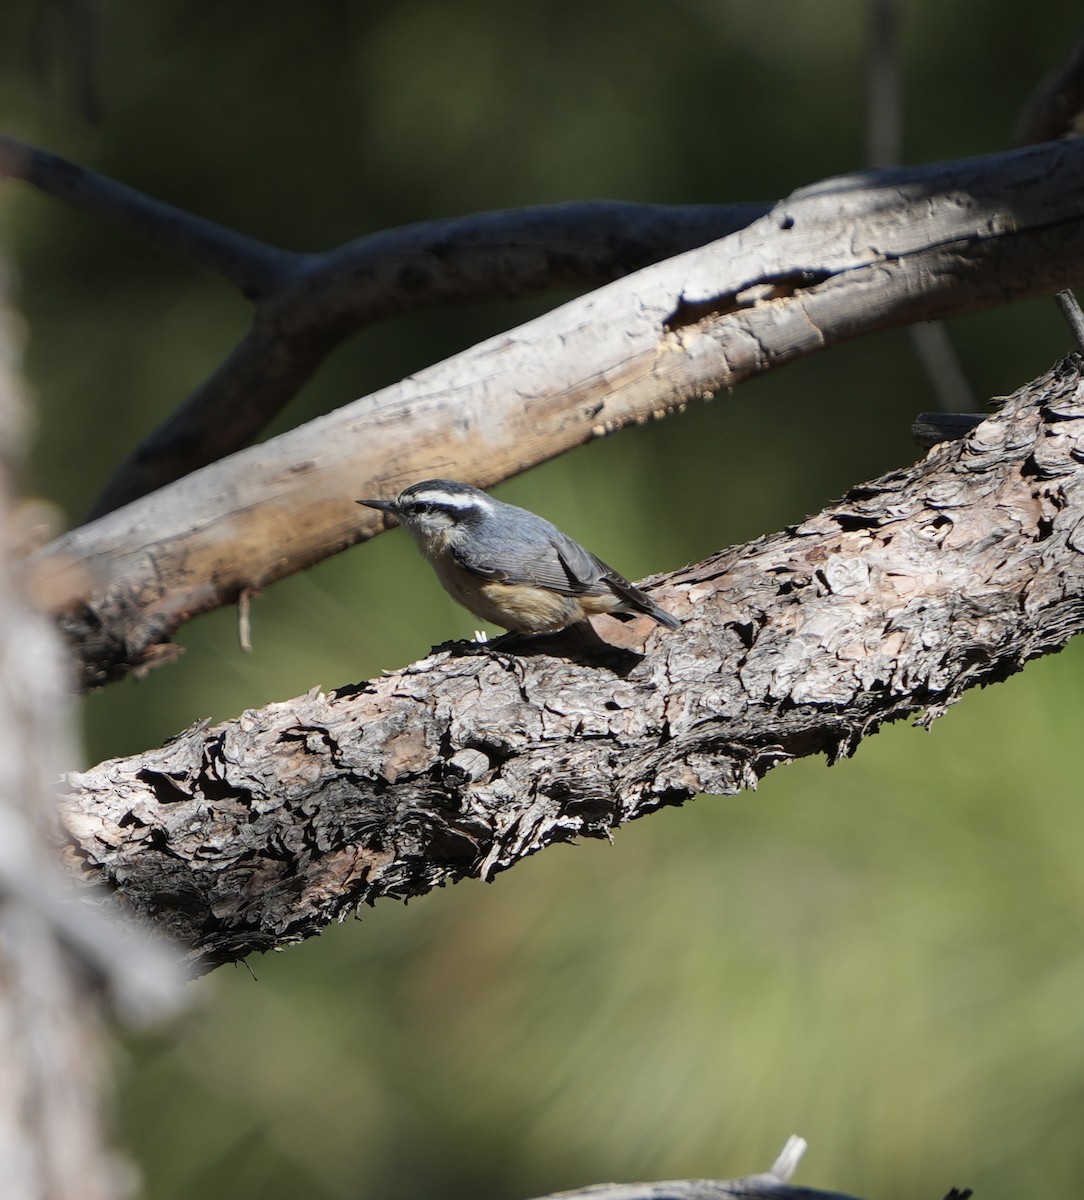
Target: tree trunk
[{"x": 53, "y": 1076}]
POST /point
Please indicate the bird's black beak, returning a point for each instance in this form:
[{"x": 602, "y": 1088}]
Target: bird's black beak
[{"x": 387, "y": 506}]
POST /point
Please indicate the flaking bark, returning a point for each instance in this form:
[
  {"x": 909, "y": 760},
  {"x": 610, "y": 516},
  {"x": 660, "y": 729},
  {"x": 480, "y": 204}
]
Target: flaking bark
[{"x": 946, "y": 574}]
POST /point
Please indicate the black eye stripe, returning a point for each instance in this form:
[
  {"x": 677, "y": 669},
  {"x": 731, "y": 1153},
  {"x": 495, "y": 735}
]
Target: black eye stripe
[{"x": 452, "y": 507}]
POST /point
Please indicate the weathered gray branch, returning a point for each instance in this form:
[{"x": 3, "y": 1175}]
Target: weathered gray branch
[
  {"x": 326, "y": 297},
  {"x": 834, "y": 261},
  {"x": 306, "y": 304},
  {"x": 889, "y": 604}
]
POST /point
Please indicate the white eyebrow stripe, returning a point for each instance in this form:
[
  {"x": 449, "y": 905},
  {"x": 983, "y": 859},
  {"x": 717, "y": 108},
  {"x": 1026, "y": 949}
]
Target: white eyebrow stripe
[{"x": 455, "y": 500}]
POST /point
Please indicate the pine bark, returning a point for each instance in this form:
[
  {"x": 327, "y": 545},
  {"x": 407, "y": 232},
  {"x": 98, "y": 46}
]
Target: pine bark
[{"x": 889, "y": 604}]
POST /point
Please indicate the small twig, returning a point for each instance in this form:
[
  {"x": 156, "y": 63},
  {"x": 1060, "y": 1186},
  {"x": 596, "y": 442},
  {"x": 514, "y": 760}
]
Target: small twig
[
  {"x": 1071, "y": 311},
  {"x": 789, "y": 1158},
  {"x": 244, "y": 623},
  {"x": 884, "y": 122},
  {"x": 941, "y": 364},
  {"x": 884, "y": 146}
]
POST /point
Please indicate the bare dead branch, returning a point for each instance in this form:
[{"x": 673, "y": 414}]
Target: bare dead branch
[
  {"x": 950, "y": 573},
  {"x": 884, "y": 109},
  {"x": 941, "y": 366},
  {"x": 306, "y": 304},
  {"x": 833, "y": 262},
  {"x": 1071, "y": 311},
  {"x": 326, "y": 297}
]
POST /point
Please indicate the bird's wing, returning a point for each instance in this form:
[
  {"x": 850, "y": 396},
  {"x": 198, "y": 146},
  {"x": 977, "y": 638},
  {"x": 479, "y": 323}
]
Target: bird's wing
[
  {"x": 565, "y": 567},
  {"x": 560, "y": 565},
  {"x": 590, "y": 576}
]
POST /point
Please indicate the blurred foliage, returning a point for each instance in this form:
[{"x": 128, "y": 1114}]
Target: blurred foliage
[{"x": 881, "y": 957}]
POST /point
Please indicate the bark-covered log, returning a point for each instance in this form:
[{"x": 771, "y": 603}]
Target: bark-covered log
[
  {"x": 834, "y": 261},
  {"x": 949, "y": 573}
]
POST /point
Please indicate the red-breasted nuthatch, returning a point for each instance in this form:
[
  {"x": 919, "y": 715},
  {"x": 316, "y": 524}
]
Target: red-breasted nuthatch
[{"x": 509, "y": 566}]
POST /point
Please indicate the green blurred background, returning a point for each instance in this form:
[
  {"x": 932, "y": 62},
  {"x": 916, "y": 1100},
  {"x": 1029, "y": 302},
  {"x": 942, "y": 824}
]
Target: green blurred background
[{"x": 882, "y": 957}]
